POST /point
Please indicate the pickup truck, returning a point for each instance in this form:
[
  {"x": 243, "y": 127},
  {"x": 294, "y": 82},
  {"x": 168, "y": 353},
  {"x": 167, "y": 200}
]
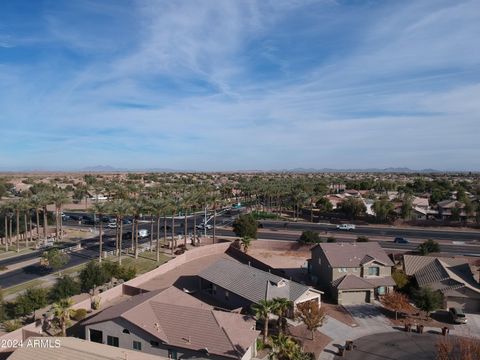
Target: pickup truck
[{"x": 346, "y": 227}]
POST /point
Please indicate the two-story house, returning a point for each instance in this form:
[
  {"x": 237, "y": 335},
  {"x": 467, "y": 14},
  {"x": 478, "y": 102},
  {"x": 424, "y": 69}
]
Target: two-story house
[{"x": 352, "y": 273}]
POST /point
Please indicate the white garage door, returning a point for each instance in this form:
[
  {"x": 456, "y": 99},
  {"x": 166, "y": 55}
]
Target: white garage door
[
  {"x": 466, "y": 304},
  {"x": 354, "y": 297}
]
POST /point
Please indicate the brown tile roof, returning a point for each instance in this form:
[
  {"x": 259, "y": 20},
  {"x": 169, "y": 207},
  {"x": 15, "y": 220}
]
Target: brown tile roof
[
  {"x": 76, "y": 349},
  {"x": 181, "y": 320},
  {"x": 413, "y": 263},
  {"x": 354, "y": 254},
  {"x": 351, "y": 281}
]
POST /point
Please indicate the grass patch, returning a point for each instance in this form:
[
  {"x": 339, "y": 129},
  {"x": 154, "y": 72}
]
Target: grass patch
[
  {"x": 12, "y": 251},
  {"x": 21, "y": 287},
  {"x": 146, "y": 261}
]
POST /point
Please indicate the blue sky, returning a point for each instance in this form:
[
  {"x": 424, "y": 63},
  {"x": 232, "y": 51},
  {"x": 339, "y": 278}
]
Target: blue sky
[{"x": 227, "y": 85}]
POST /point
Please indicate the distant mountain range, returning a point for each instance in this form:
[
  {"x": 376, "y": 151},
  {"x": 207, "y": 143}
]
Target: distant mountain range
[{"x": 103, "y": 168}]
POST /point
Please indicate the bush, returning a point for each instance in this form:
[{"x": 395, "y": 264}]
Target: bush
[
  {"x": 400, "y": 278},
  {"x": 309, "y": 237},
  {"x": 428, "y": 247},
  {"x": 262, "y": 215},
  {"x": 31, "y": 300},
  {"x": 64, "y": 288},
  {"x": 80, "y": 314},
  {"x": 331, "y": 239},
  {"x": 12, "y": 325},
  {"x": 91, "y": 276},
  {"x": 245, "y": 226},
  {"x": 55, "y": 259},
  {"x": 363, "y": 239},
  {"x": 127, "y": 273}
]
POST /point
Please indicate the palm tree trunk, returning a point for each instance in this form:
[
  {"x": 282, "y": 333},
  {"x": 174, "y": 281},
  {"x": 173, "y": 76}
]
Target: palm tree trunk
[
  {"x": 100, "y": 239},
  {"x": 158, "y": 239},
  {"x": 194, "y": 228},
  {"x": 120, "y": 243},
  {"x": 265, "y": 330},
  {"x": 151, "y": 233},
  {"x": 60, "y": 218},
  {"x": 173, "y": 232},
  {"x": 10, "y": 236},
  {"x": 165, "y": 228},
  {"x": 17, "y": 214},
  {"x": 45, "y": 223},
  {"x": 56, "y": 223},
  {"x": 136, "y": 242},
  {"x": 26, "y": 229},
  {"x": 6, "y": 233},
  {"x": 133, "y": 234},
  {"x": 185, "y": 230},
  {"x": 214, "y": 223}
]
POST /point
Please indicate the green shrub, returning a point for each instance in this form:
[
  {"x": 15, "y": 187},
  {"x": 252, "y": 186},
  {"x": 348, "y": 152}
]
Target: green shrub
[
  {"x": 245, "y": 226},
  {"x": 80, "y": 314},
  {"x": 12, "y": 325},
  {"x": 331, "y": 239},
  {"x": 64, "y": 288},
  {"x": 309, "y": 237},
  {"x": 33, "y": 299}
]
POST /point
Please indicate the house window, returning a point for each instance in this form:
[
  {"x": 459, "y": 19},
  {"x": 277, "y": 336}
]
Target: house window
[
  {"x": 227, "y": 295},
  {"x": 172, "y": 354},
  {"x": 319, "y": 261},
  {"x": 137, "y": 345},
  {"x": 154, "y": 343},
  {"x": 214, "y": 289},
  {"x": 126, "y": 331},
  {"x": 112, "y": 341},
  {"x": 374, "y": 271}
]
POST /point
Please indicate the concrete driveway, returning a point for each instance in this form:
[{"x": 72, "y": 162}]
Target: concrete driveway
[
  {"x": 369, "y": 319},
  {"x": 368, "y": 316},
  {"x": 471, "y": 328}
]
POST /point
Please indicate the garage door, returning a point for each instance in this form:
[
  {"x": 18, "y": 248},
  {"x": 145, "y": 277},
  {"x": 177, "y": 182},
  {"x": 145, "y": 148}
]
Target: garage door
[
  {"x": 466, "y": 304},
  {"x": 354, "y": 297}
]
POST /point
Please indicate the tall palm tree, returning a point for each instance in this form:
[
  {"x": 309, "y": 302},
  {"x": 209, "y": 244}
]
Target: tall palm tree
[
  {"x": 45, "y": 200},
  {"x": 100, "y": 209},
  {"x": 17, "y": 208},
  {"x": 59, "y": 198},
  {"x": 63, "y": 312},
  {"x": 120, "y": 208},
  {"x": 158, "y": 207},
  {"x": 36, "y": 204},
  {"x": 262, "y": 311}
]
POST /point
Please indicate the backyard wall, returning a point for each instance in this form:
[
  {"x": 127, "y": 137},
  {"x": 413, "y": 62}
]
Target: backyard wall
[{"x": 32, "y": 329}]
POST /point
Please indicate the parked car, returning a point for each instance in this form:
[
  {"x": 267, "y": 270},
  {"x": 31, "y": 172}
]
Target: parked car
[
  {"x": 143, "y": 233},
  {"x": 457, "y": 315},
  {"x": 76, "y": 217},
  {"x": 347, "y": 227},
  {"x": 400, "y": 240},
  {"x": 89, "y": 221},
  {"x": 203, "y": 226},
  {"x": 127, "y": 221},
  {"x": 112, "y": 225}
]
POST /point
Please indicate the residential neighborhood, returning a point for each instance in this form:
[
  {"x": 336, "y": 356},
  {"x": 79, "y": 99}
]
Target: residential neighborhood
[{"x": 239, "y": 180}]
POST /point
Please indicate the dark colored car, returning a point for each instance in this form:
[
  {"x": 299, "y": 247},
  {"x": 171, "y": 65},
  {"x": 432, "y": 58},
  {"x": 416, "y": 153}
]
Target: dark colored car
[
  {"x": 89, "y": 221},
  {"x": 76, "y": 217},
  {"x": 400, "y": 240}
]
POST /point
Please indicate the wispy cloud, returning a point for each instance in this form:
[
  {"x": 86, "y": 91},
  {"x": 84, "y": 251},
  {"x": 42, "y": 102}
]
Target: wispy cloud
[{"x": 251, "y": 84}]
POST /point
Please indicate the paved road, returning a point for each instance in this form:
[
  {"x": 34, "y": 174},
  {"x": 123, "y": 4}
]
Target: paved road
[
  {"x": 473, "y": 250},
  {"x": 372, "y": 230}
]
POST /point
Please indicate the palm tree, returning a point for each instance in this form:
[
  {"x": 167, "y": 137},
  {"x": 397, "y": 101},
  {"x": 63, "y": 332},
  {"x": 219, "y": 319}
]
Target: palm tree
[
  {"x": 246, "y": 241},
  {"x": 45, "y": 199},
  {"x": 158, "y": 207},
  {"x": 59, "y": 198},
  {"x": 17, "y": 208},
  {"x": 281, "y": 308},
  {"x": 100, "y": 209},
  {"x": 36, "y": 204},
  {"x": 262, "y": 311},
  {"x": 120, "y": 208},
  {"x": 63, "y": 312}
]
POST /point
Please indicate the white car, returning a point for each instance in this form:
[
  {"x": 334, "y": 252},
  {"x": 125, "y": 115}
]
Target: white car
[
  {"x": 143, "y": 233},
  {"x": 347, "y": 227},
  {"x": 112, "y": 225},
  {"x": 202, "y": 226}
]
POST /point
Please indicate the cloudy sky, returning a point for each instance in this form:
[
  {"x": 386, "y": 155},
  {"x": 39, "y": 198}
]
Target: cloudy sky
[{"x": 244, "y": 84}]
